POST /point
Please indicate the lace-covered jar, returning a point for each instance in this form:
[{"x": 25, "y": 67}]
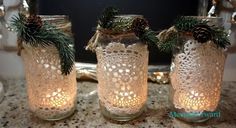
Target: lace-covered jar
[
  {"x": 196, "y": 77},
  {"x": 122, "y": 74},
  {"x": 51, "y": 95}
]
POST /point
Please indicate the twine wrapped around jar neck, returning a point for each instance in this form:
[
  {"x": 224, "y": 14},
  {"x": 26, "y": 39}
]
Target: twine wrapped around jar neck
[
  {"x": 113, "y": 33},
  {"x": 93, "y": 42}
]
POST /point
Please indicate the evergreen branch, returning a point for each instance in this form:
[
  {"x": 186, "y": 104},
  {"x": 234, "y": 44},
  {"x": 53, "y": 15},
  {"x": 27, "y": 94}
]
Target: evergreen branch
[
  {"x": 168, "y": 44},
  {"x": 202, "y": 31},
  {"x": 62, "y": 42},
  {"x": 141, "y": 29},
  {"x": 149, "y": 36},
  {"x": 187, "y": 23},
  {"x": 121, "y": 24},
  {"x": 106, "y": 19},
  {"x": 220, "y": 37},
  {"x": 47, "y": 35}
]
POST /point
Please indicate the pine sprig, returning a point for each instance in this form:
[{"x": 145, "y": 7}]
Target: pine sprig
[
  {"x": 168, "y": 44},
  {"x": 220, "y": 37},
  {"x": 187, "y": 23},
  {"x": 214, "y": 33},
  {"x": 121, "y": 24},
  {"x": 106, "y": 19},
  {"x": 141, "y": 29},
  {"x": 47, "y": 35},
  {"x": 199, "y": 29},
  {"x": 149, "y": 36}
]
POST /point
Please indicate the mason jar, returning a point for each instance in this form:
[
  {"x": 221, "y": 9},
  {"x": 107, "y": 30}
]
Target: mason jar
[
  {"x": 122, "y": 66},
  {"x": 51, "y": 94},
  {"x": 196, "y": 78}
]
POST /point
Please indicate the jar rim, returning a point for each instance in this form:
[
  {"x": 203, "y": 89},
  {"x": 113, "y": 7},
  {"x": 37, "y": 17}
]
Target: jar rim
[
  {"x": 129, "y": 16},
  {"x": 205, "y": 17},
  {"x": 53, "y": 17},
  {"x": 218, "y": 21}
]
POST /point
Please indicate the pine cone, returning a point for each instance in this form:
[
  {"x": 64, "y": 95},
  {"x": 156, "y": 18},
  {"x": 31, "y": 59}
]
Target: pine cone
[
  {"x": 138, "y": 26},
  {"x": 202, "y": 33},
  {"x": 34, "y": 23}
]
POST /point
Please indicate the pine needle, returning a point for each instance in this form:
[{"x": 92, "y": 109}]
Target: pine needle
[
  {"x": 46, "y": 36},
  {"x": 105, "y": 20},
  {"x": 186, "y": 24}
]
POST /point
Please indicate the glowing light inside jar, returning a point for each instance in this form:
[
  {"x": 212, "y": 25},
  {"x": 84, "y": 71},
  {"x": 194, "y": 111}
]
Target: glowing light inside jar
[
  {"x": 197, "y": 101},
  {"x": 57, "y": 99},
  {"x": 125, "y": 98},
  {"x": 122, "y": 77}
]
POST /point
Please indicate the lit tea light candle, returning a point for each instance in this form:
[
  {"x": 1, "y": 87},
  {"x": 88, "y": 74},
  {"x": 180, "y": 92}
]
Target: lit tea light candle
[
  {"x": 57, "y": 99},
  {"x": 54, "y": 104},
  {"x": 197, "y": 101},
  {"x": 125, "y": 99}
]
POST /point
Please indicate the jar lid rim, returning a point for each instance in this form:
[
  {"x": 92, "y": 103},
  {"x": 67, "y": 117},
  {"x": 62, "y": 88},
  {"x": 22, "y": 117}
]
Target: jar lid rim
[
  {"x": 129, "y": 16},
  {"x": 205, "y": 17},
  {"x": 54, "y": 17}
]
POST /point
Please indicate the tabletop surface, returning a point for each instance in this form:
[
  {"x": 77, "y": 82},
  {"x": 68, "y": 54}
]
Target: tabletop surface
[{"x": 14, "y": 111}]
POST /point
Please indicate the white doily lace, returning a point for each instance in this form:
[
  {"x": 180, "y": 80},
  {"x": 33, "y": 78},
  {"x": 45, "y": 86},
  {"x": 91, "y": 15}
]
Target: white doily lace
[
  {"x": 196, "y": 76},
  {"x": 50, "y": 94},
  {"x": 122, "y": 77}
]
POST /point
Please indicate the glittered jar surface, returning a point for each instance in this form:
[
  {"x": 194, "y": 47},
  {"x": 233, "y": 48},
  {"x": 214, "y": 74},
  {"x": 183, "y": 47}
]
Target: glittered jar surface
[
  {"x": 196, "y": 76},
  {"x": 122, "y": 77},
  {"x": 51, "y": 95}
]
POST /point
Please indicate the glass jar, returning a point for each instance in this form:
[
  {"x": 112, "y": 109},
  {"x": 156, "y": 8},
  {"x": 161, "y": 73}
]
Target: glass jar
[
  {"x": 196, "y": 77},
  {"x": 51, "y": 95},
  {"x": 122, "y": 75}
]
